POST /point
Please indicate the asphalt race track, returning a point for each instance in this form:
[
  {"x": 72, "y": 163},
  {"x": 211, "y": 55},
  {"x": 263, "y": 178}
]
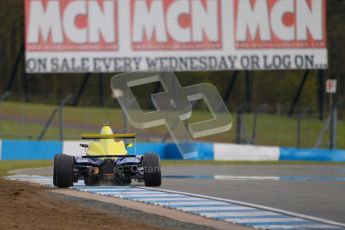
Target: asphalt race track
[{"x": 314, "y": 190}]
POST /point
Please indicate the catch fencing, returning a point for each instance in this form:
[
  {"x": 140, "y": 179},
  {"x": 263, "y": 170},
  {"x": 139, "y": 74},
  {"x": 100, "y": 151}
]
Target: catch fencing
[{"x": 268, "y": 125}]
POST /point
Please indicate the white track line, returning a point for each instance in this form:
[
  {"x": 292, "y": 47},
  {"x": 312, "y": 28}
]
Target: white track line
[
  {"x": 264, "y": 220},
  {"x": 111, "y": 190},
  {"x": 216, "y": 208},
  {"x": 299, "y": 226},
  {"x": 141, "y": 193},
  {"x": 186, "y": 203},
  {"x": 226, "y": 177},
  {"x": 154, "y": 195},
  {"x": 167, "y": 199},
  {"x": 239, "y": 214},
  {"x": 254, "y": 206}
]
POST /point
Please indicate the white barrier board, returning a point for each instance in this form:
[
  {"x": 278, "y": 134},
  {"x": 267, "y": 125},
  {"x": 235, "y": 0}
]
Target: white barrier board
[{"x": 233, "y": 152}]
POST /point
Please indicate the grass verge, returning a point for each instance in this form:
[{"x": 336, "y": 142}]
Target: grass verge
[{"x": 6, "y": 166}]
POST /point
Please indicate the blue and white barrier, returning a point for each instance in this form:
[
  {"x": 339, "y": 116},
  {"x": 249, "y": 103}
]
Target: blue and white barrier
[
  {"x": 45, "y": 150},
  {"x": 29, "y": 150}
]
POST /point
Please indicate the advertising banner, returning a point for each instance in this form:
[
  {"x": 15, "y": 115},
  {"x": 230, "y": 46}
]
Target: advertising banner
[{"x": 68, "y": 36}]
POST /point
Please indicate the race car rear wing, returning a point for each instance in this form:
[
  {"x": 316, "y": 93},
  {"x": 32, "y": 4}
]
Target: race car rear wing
[
  {"x": 96, "y": 136},
  {"x": 109, "y": 156}
]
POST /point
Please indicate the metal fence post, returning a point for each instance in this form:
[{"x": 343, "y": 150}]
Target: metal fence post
[
  {"x": 59, "y": 110},
  {"x": 47, "y": 125},
  {"x": 239, "y": 128},
  {"x": 333, "y": 126},
  {"x": 3, "y": 98},
  {"x": 300, "y": 117},
  {"x": 298, "y": 135},
  {"x": 61, "y": 123},
  {"x": 61, "y": 117}
]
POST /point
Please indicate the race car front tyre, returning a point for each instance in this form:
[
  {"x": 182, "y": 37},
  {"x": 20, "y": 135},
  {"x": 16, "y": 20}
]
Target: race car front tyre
[
  {"x": 152, "y": 170},
  {"x": 64, "y": 171}
]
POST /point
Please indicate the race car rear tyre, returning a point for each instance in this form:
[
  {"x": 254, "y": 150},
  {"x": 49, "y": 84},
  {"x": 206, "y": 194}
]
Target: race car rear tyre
[
  {"x": 152, "y": 170},
  {"x": 64, "y": 171},
  {"x": 55, "y": 168}
]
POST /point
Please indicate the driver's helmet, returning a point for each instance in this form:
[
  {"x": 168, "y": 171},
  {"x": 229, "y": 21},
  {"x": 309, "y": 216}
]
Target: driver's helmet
[{"x": 106, "y": 130}]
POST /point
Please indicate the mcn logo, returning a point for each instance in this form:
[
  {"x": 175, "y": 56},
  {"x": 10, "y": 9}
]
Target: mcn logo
[
  {"x": 176, "y": 24},
  {"x": 280, "y": 24},
  {"x": 76, "y": 25}
]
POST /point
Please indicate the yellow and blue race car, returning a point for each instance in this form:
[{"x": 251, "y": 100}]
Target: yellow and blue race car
[{"x": 107, "y": 162}]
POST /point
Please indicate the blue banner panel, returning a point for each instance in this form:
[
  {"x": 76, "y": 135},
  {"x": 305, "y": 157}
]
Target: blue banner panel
[
  {"x": 30, "y": 150},
  {"x": 204, "y": 151},
  {"x": 295, "y": 154}
]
